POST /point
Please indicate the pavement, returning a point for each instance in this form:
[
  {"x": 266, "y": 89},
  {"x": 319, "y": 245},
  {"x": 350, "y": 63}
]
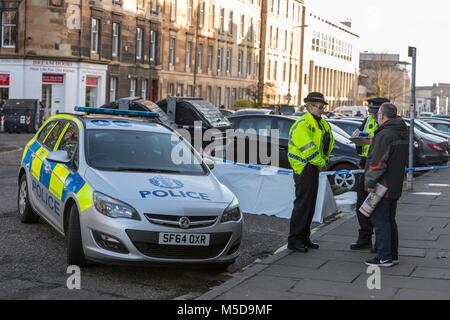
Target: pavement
[{"x": 334, "y": 272}]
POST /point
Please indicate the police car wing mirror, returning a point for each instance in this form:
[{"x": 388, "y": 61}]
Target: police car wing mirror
[
  {"x": 59, "y": 156},
  {"x": 209, "y": 162}
]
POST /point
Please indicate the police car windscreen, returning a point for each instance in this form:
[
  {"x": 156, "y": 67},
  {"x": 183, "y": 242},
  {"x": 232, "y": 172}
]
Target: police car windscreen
[
  {"x": 210, "y": 113},
  {"x": 141, "y": 151}
]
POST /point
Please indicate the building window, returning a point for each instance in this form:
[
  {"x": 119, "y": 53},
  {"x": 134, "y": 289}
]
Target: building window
[
  {"x": 227, "y": 97},
  {"x": 170, "y": 89},
  {"x": 249, "y": 64},
  {"x": 173, "y": 10},
  {"x": 139, "y": 37},
  {"x": 222, "y": 20},
  {"x": 219, "y": 97},
  {"x": 269, "y": 69},
  {"x": 202, "y": 14},
  {"x": 9, "y": 29},
  {"x": 116, "y": 39},
  {"x": 188, "y": 56},
  {"x": 284, "y": 71},
  {"x": 209, "y": 93},
  {"x": 250, "y": 30},
  {"x": 190, "y": 11},
  {"x": 228, "y": 61},
  {"x": 112, "y": 89},
  {"x": 200, "y": 56},
  {"x": 172, "y": 51},
  {"x": 152, "y": 45},
  {"x": 190, "y": 91},
  {"x": 132, "y": 87},
  {"x": 95, "y": 29},
  {"x": 144, "y": 85},
  {"x": 256, "y": 67},
  {"x": 275, "y": 70},
  {"x": 180, "y": 90},
  {"x": 285, "y": 41},
  {"x": 242, "y": 26},
  {"x": 4, "y": 86},
  {"x": 270, "y": 36},
  {"x": 212, "y": 16},
  {"x": 210, "y": 57},
  {"x": 91, "y": 92},
  {"x": 219, "y": 60},
  {"x": 154, "y": 5},
  {"x": 230, "y": 23},
  {"x": 240, "y": 62}
]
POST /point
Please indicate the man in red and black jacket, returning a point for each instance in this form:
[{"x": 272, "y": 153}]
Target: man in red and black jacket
[{"x": 386, "y": 163}]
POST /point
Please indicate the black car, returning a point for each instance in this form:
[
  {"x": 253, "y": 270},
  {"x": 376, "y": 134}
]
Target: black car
[
  {"x": 440, "y": 125},
  {"x": 185, "y": 112},
  {"x": 178, "y": 113},
  {"x": 343, "y": 156},
  {"x": 138, "y": 104},
  {"x": 423, "y": 156}
]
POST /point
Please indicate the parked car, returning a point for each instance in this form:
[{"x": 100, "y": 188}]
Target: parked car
[
  {"x": 440, "y": 125},
  {"x": 282, "y": 109},
  {"x": 441, "y": 116},
  {"x": 111, "y": 187},
  {"x": 349, "y": 126},
  {"x": 138, "y": 104},
  {"x": 426, "y": 128},
  {"x": 226, "y": 112},
  {"x": 343, "y": 157},
  {"x": 243, "y": 112}
]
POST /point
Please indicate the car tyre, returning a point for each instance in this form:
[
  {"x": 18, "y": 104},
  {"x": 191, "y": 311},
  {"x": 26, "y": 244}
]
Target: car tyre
[
  {"x": 25, "y": 212},
  {"x": 349, "y": 179},
  {"x": 75, "y": 252}
]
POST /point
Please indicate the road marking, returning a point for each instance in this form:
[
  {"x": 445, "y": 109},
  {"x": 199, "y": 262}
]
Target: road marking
[
  {"x": 427, "y": 193},
  {"x": 438, "y": 185}
]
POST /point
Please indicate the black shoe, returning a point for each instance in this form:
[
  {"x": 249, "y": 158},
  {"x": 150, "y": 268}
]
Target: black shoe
[
  {"x": 311, "y": 245},
  {"x": 380, "y": 262},
  {"x": 361, "y": 246},
  {"x": 298, "y": 248}
]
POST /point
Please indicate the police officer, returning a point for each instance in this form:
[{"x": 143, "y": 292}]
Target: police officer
[
  {"x": 310, "y": 144},
  {"x": 370, "y": 125}
]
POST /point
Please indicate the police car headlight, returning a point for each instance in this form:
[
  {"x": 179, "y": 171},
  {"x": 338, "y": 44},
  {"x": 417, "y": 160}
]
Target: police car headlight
[
  {"x": 232, "y": 212},
  {"x": 114, "y": 208}
]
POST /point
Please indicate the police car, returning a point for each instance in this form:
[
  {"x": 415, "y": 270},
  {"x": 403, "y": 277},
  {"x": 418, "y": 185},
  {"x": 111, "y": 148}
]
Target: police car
[{"x": 124, "y": 190}]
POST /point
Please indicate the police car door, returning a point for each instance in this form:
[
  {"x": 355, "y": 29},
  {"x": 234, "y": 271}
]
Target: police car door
[
  {"x": 41, "y": 171},
  {"x": 68, "y": 141}
]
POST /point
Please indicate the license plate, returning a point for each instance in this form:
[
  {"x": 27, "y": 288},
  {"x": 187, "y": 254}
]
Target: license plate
[{"x": 184, "y": 239}]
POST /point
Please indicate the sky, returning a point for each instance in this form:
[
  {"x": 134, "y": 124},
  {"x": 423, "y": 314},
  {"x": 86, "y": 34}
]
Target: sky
[{"x": 390, "y": 26}]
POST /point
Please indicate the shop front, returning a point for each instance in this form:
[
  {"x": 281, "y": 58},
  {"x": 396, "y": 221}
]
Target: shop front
[{"x": 59, "y": 85}]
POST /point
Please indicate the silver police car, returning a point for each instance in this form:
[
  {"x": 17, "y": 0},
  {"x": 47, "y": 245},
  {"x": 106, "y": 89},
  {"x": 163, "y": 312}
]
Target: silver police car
[{"x": 124, "y": 190}]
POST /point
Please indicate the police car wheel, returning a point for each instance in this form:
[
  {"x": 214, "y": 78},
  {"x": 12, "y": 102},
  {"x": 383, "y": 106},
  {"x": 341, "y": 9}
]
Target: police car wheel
[
  {"x": 75, "y": 253},
  {"x": 347, "y": 181},
  {"x": 26, "y": 213}
]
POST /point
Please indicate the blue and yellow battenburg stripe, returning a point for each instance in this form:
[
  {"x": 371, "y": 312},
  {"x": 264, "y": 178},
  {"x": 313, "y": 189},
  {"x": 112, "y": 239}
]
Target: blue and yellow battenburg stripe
[{"x": 60, "y": 181}]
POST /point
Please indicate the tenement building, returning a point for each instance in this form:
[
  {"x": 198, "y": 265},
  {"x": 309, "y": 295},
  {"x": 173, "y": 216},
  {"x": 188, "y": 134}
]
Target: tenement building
[
  {"x": 79, "y": 52},
  {"x": 210, "y": 49}
]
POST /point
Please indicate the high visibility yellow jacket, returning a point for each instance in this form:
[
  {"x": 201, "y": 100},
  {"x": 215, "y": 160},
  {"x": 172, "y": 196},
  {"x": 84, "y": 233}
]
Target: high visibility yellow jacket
[
  {"x": 370, "y": 126},
  {"x": 306, "y": 143}
]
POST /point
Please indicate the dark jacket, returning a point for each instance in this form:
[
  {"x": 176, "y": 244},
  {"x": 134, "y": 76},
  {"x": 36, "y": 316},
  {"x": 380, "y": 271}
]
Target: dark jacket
[{"x": 388, "y": 157}]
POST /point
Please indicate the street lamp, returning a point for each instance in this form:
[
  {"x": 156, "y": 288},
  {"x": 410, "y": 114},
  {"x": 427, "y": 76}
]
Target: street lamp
[{"x": 289, "y": 95}]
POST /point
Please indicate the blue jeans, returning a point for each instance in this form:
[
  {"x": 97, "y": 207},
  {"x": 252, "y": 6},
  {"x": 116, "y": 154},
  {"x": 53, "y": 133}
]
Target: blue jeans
[{"x": 386, "y": 231}]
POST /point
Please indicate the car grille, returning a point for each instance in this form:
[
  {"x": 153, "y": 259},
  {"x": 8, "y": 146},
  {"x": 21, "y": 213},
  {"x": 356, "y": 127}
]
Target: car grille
[
  {"x": 172, "y": 221},
  {"x": 147, "y": 243}
]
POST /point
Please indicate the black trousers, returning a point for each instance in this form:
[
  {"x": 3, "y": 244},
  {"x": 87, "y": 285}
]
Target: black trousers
[
  {"x": 365, "y": 224},
  {"x": 306, "y": 187}
]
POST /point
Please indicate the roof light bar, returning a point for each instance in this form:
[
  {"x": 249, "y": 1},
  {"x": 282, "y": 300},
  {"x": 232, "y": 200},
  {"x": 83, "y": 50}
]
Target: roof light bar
[{"x": 114, "y": 112}]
